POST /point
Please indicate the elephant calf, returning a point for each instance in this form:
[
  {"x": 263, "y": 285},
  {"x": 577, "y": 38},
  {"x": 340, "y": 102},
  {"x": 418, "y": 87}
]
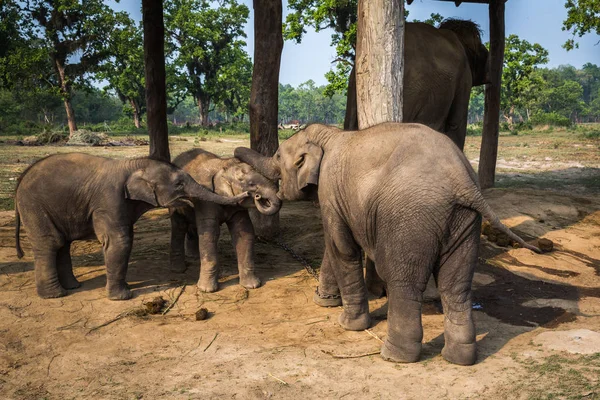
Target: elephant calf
[
  {"x": 201, "y": 223},
  {"x": 67, "y": 197},
  {"x": 409, "y": 198}
]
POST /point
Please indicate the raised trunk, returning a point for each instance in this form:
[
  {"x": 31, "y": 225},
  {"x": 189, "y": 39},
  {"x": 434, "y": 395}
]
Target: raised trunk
[
  {"x": 351, "y": 119},
  {"x": 156, "y": 93},
  {"x": 379, "y": 61},
  {"x": 491, "y": 116},
  {"x": 263, "y": 109}
]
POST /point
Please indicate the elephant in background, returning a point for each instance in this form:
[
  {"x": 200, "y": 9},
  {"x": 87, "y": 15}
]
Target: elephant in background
[
  {"x": 441, "y": 65},
  {"x": 67, "y": 197},
  {"x": 415, "y": 212},
  {"x": 198, "y": 227}
]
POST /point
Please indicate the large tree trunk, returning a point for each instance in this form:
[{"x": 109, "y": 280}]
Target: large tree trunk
[
  {"x": 65, "y": 92},
  {"x": 351, "y": 118},
  {"x": 203, "y": 107},
  {"x": 156, "y": 93},
  {"x": 491, "y": 116},
  {"x": 379, "y": 61},
  {"x": 268, "y": 44}
]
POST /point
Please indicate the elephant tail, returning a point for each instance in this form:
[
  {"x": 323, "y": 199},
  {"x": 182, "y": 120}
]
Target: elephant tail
[
  {"x": 20, "y": 253},
  {"x": 478, "y": 203}
]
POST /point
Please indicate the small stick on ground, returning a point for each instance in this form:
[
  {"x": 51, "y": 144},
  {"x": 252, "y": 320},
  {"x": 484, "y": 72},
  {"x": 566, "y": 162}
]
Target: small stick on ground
[
  {"x": 211, "y": 342},
  {"x": 351, "y": 355},
  {"x": 374, "y": 335},
  {"x": 115, "y": 319},
  {"x": 52, "y": 359},
  {"x": 280, "y": 380},
  {"x": 174, "y": 301}
]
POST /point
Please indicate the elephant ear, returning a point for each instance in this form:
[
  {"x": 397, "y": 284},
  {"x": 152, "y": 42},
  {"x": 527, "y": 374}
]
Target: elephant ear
[
  {"x": 309, "y": 163},
  {"x": 221, "y": 184},
  {"x": 138, "y": 188}
]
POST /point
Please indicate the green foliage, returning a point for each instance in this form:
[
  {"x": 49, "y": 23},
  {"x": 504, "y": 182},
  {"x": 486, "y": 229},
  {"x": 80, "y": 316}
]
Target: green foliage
[
  {"x": 519, "y": 82},
  {"x": 551, "y": 118},
  {"x": 124, "y": 70},
  {"x": 309, "y": 103},
  {"x": 205, "y": 41},
  {"x": 583, "y": 16}
]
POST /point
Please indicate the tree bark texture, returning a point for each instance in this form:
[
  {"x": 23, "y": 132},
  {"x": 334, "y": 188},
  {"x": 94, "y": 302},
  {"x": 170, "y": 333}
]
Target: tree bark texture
[
  {"x": 491, "y": 115},
  {"x": 379, "y": 61},
  {"x": 136, "y": 113},
  {"x": 350, "y": 120},
  {"x": 156, "y": 94},
  {"x": 264, "y": 95},
  {"x": 65, "y": 92}
]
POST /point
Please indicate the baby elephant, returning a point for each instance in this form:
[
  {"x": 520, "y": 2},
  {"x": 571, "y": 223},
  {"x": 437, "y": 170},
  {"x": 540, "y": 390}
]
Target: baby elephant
[
  {"x": 227, "y": 177},
  {"x": 67, "y": 197}
]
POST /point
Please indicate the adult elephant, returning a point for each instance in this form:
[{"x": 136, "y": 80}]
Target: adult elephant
[
  {"x": 413, "y": 211},
  {"x": 440, "y": 68}
]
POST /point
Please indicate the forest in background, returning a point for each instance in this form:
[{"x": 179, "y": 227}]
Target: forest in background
[{"x": 69, "y": 67}]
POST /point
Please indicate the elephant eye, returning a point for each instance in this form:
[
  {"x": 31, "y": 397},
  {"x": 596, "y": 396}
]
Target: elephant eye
[{"x": 300, "y": 161}]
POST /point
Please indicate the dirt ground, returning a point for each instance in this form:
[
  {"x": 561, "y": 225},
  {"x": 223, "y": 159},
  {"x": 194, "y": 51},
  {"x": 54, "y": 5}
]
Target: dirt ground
[{"x": 537, "y": 316}]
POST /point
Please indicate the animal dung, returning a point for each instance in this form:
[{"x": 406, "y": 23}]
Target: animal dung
[
  {"x": 545, "y": 245},
  {"x": 156, "y": 305},
  {"x": 201, "y": 314}
]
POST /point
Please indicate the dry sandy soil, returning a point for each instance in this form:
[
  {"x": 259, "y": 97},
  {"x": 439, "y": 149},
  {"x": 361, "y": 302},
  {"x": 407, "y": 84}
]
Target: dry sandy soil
[{"x": 537, "y": 316}]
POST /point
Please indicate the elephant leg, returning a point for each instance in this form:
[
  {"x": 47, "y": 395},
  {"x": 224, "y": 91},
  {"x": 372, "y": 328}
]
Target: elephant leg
[
  {"x": 328, "y": 292},
  {"x": 345, "y": 260},
  {"x": 456, "y": 123},
  {"x": 242, "y": 236},
  {"x": 46, "y": 273},
  {"x": 454, "y": 283},
  {"x": 208, "y": 237},
  {"x": 375, "y": 284},
  {"x": 191, "y": 242},
  {"x": 405, "y": 330},
  {"x": 116, "y": 243},
  {"x": 65, "y": 268},
  {"x": 179, "y": 226}
]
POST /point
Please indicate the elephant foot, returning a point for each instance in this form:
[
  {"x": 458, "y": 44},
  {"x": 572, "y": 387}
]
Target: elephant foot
[
  {"x": 327, "y": 300},
  {"x": 407, "y": 353},
  {"x": 208, "y": 285},
  {"x": 178, "y": 267},
  {"x": 460, "y": 353},
  {"x": 51, "y": 292},
  {"x": 119, "y": 292},
  {"x": 69, "y": 281},
  {"x": 250, "y": 281},
  {"x": 358, "y": 322}
]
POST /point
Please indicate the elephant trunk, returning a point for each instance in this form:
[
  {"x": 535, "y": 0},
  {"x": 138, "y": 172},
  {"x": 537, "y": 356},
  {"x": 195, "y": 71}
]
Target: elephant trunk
[
  {"x": 267, "y": 203},
  {"x": 195, "y": 190},
  {"x": 262, "y": 164}
]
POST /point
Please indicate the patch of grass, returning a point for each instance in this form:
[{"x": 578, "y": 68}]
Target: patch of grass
[
  {"x": 285, "y": 133},
  {"x": 7, "y": 203},
  {"x": 561, "y": 376}
]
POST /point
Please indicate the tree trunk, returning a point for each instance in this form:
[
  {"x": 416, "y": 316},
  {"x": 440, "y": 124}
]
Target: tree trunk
[
  {"x": 379, "y": 61},
  {"x": 136, "y": 113},
  {"x": 351, "y": 118},
  {"x": 65, "y": 92},
  {"x": 156, "y": 94},
  {"x": 491, "y": 116},
  {"x": 263, "y": 110},
  {"x": 203, "y": 107}
]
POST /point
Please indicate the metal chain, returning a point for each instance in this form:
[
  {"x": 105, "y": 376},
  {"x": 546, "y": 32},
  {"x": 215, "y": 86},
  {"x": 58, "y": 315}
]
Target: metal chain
[{"x": 295, "y": 255}]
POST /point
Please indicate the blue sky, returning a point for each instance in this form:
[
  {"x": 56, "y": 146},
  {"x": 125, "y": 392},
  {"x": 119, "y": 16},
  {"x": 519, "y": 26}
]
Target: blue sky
[{"x": 537, "y": 21}]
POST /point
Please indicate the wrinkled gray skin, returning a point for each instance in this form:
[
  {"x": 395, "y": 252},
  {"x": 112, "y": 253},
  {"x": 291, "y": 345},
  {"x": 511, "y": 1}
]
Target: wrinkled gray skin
[
  {"x": 441, "y": 66},
  {"x": 414, "y": 211},
  {"x": 67, "y": 197},
  {"x": 202, "y": 222}
]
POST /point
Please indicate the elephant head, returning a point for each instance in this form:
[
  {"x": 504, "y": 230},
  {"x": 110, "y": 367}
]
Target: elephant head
[
  {"x": 238, "y": 177},
  {"x": 470, "y": 37},
  {"x": 296, "y": 164},
  {"x": 161, "y": 184}
]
